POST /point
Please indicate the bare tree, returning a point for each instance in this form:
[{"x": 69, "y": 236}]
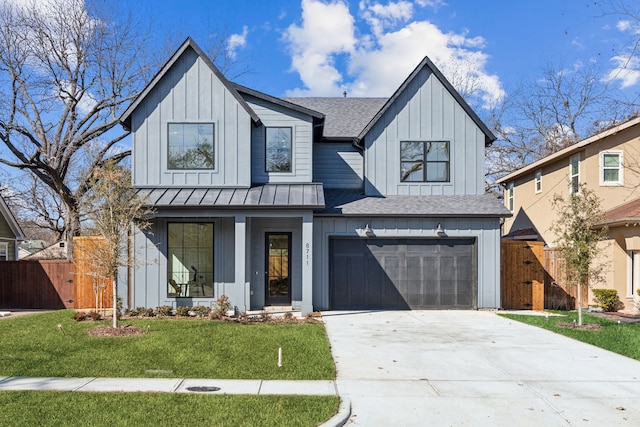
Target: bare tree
[
  {"x": 559, "y": 108},
  {"x": 67, "y": 71},
  {"x": 113, "y": 209}
]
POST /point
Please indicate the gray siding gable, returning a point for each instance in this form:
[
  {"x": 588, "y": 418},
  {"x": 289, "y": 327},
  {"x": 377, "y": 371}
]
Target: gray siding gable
[
  {"x": 427, "y": 64},
  {"x": 188, "y": 44}
]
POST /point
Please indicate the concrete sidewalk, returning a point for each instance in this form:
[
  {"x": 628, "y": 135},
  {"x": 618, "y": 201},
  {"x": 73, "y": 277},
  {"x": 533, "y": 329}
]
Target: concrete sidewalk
[{"x": 172, "y": 385}]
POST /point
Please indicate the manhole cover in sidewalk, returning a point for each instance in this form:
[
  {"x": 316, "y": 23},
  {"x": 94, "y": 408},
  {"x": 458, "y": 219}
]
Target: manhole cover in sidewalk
[{"x": 203, "y": 388}]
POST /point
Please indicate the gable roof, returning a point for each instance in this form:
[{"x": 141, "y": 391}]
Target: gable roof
[
  {"x": 426, "y": 62},
  {"x": 189, "y": 43},
  {"x": 344, "y": 117},
  {"x": 11, "y": 220},
  {"x": 283, "y": 102},
  {"x": 566, "y": 152}
]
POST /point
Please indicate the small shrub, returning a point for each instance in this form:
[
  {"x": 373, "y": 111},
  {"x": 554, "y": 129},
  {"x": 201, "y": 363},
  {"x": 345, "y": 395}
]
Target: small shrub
[
  {"x": 145, "y": 312},
  {"x": 201, "y": 310},
  {"x": 164, "y": 311},
  {"x": 222, "y": 306},
  {"x": 133, "y": 312},
  {"x": 86, "y": 315},
  {"x": 183, "y": 310},
  {"x": 607, "y": 299}
]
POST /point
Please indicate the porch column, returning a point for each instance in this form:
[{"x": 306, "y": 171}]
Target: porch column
[
  {"x": 307, "y": 263},
  {"x": 240, "y": 262}
]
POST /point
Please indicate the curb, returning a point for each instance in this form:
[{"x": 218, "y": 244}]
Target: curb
[{"x": 341, "y": 418}]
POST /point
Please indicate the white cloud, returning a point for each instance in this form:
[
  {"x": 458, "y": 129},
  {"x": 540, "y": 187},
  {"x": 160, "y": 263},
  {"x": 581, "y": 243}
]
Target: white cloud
[
  {"x": 623, "y": 25},
  {"x": 626, "y": 71},
  {"x": 327, "y": 30},
  {"x": 379, "y": 60},
  {"x": 381, "y": 17},
  {"x": 236, "y": 41},
  {"x": 435, "y": 4}
]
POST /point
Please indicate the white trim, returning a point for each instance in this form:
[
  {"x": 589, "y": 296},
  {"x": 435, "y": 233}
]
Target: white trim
[
  {"x": 537, "y": 181},
  {"x": 4, "y": 252},
  {"x": 633, "y": 272},
  {"x": 510, "y": 196},
  {"x": 601, "y": 168},
  {"x": 572, "y": 175}
]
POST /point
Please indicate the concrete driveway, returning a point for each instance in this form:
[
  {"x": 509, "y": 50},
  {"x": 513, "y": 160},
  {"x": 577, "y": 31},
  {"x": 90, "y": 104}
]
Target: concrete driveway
[{"x": 475, "y": 368}]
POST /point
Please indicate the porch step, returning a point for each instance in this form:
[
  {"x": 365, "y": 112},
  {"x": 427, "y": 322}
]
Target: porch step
[{"x": 278, "y": 308}]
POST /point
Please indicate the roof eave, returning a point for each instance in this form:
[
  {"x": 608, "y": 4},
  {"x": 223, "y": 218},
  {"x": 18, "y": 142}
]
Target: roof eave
[
  {"x": 569, "y": 150},
  {"x": 426, "y": 62},
  {"x": 125, "y": 118}
]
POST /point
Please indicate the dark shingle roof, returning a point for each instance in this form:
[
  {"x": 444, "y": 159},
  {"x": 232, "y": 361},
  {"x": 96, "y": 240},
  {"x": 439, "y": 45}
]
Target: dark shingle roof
[
  {"x": 344, "y": 117},
  {"x": 353, "y": 202}
]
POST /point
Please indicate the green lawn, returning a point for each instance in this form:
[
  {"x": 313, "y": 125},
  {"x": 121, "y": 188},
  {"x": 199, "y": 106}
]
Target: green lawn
[
  {"x": 623, "y": 338},
  {"x": 184, "y": 348},
  {"x": 50, "y": 408}
]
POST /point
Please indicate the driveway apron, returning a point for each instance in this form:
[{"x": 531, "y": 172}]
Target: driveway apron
[{"x": 451, "y": 368}]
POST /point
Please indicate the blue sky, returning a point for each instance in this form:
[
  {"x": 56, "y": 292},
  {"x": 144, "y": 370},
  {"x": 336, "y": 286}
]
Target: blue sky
[{"x": 367, "y": 47}]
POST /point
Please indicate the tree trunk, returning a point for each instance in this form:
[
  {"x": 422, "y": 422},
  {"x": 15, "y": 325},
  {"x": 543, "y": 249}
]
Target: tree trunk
[
  {"x": 579, "y": 296},
  {"x": 72, "y": 229},
  {"x": 115, "y": 302}
]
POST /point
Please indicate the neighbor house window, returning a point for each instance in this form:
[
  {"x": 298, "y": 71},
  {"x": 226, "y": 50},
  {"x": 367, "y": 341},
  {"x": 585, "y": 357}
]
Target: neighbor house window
[
  {"x": 611, "y": 168},
  {"x": 422, "y": 161},
  {"x": 190, "y": 259},
  {"x": 4, "y": 251},
  {"x": 278, "y": 149},
  {"x": 191, "y": 146},
  {"x": 574, "y": 175},
  {"x": 538, "y": 181},
  {"x": 510, "y": 196}
]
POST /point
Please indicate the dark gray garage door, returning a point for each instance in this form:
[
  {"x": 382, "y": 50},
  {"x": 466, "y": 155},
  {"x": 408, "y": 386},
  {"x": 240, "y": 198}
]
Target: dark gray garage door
[{"x": 402, "y": 273}]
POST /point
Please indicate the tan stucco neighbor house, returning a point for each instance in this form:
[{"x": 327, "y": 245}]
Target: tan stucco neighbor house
[{"x": 608, "y": 163}]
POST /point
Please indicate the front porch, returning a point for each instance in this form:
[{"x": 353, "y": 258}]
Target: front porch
[{"x": 257, "y": 259}]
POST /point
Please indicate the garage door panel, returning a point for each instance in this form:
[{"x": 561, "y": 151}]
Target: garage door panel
[{"x": 402, "y": 273}]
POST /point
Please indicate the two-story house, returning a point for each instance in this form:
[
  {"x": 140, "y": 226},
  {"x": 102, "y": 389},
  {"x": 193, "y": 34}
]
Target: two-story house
[
  {"x": 608, "y": 164},
  {"x": 314, "y": 203}
]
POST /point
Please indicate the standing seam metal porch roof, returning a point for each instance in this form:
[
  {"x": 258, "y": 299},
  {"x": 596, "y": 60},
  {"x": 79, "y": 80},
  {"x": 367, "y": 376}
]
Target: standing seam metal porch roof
[{"x": 304, "y": 196}]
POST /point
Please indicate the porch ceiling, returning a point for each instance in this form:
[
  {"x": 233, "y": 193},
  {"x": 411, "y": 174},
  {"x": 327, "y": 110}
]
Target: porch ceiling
[{"x": 305, "y": 196}]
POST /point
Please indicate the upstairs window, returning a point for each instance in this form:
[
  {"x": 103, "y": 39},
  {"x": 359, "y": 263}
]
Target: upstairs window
[
  {"x": 538, "y": 181},
  {"x": 191, "y": 146},
  {"x": 422, "y": 161},
  {"x": 611, "y": 168},
  {"x": 510, "y": 196},
  {"x": 4, "y": 251},
  {"x": 278, "y": 149},
  {"x": 574, "y": 175}
]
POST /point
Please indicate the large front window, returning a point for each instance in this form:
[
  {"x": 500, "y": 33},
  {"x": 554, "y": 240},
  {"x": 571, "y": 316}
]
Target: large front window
[
  {"x": 191, "y": 146},
  {"x": 190, "y": 259},
  {"x": 278, "y": 148},
  {"x": 422, "y": 161}
]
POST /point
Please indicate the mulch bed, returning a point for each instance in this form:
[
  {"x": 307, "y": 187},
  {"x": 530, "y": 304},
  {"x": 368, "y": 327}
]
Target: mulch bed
[
  {"x": 110, "y": 331},
  {"x": 618, "y": 316},
  {"x": 588, "y": 327}
]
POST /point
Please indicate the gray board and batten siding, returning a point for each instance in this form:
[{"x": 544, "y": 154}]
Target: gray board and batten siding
[
  {"x": 424, "y": 111},
  {"x": 301, "y": 125},
  {"x": 190, "y": 92},
  {"x": 484, "y": 231}
]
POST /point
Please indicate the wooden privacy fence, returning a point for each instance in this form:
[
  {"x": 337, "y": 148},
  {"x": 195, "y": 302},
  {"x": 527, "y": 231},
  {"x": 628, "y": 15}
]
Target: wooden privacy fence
[
  {"x": 38, "y": 284},
  {"x": 53, "y": 284},
  {"x": 533, "y": 277}
]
